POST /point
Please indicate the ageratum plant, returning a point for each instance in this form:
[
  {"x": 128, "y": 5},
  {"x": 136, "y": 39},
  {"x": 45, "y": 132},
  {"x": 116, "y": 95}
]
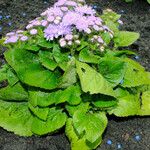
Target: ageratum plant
[{"x": 67, "y": 70}]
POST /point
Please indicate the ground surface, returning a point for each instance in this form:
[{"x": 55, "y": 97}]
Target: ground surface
[{"x": 126, "y": 134}]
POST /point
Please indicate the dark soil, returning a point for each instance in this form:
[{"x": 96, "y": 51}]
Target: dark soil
[{"x": 126, "y": 134}]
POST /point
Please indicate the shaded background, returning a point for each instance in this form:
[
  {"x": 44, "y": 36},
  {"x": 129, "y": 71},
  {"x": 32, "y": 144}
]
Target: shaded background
[{"x": 122, "y": 133}]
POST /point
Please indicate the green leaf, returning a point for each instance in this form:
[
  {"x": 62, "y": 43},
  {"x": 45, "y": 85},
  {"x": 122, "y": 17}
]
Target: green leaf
[
  {"x": 71, "y": 95},
  {"x": 123, "y": 52},
  {"x": 13, "y": 93},
  {"x": 61, "y": 58},
  {"x": 3, "y": 72},
  {"x": 31, "y": 47},
  {"x": 7, "y": 73},
  {"x": 77, "y": 142},
  {"x": 69, "y": 77},
  {"x": 44, "y": 99},
  {"x": 56, "y": 119},
  {"x": 82, "y": 45},
  {"x": 125, "y": 38},
  {"x": 16, "y": 117},
  {"x": 105, "y": 104},
  {"x": 47, "y": 61},
  {"x": 87, "y": 56},
  {"x": 90, "y": 125},
  {"x": 112, "y": 26},
  {"x": 92, "y": 81},
  {"x": 135, "y": 74},
  {"x": 145, "y": 107},
  {"x": 106, "y": 37},
  {"x": 81, "y": 107},
  {"x": 11, "y": 77},
  {"x": 41, "y": 113},
  {"x": 112, "y": 69},
  {"x": 148, "y": 1},
  {"x": 103, "y": 101},
  {"x": 110, "y": 15},
  {"x": 128, "y": 105},
  {"x": 43, "y": 43},
  {"x": 29, "y": 70}
]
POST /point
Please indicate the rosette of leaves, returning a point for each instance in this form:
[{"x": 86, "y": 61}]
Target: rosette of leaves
[{"x": 47, "y": 90}]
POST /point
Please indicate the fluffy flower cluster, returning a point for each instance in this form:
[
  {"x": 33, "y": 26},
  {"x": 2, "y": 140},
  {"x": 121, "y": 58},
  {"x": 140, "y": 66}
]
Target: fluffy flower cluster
[
  {"x": 13, "y": 37},
  {"x": 65, "y": 18}
]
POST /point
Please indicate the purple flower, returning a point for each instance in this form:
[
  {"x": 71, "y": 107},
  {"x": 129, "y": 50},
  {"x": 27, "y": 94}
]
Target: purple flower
[
  {"x": 54, "y": 31},
  {"x": 64, "y": 8},
  {"x": 36, "y": 23},
  {"x": 60, "y": 3},
  {"x": 44, "y": 23},
  {"x": 19, "y": 31},
  {"x": 56, "y": 11},
  {"x": 71, "y": 18},
  {"x": 24, "y": 38},
  {"x": 50, "y": 18},
  {"x": 82, "y": 24},
  {"x": 100, "y": 40},
  {"x": 96, "y": 27},
  {"x": 12, "y": 39},
  {"x": 85, "y": 10},
  {"x": 33, "y": 31},
  {"x": 29, "y": 26},
  {"x": 70, "y": 3},
  {"x": 10, "y": 33}
]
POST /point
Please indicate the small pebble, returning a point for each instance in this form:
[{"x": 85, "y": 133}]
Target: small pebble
[
  {"x": 69, "y": 56},
  {"x": 121, "y": 82},
  {"x": 94, "y": 7},
  {"x": 1, "y": 17},
  {"x": 109, "y": 142},
  {"x": 137, "y": 137},
  {"x": 137, "y": 57},
  {"x": 9, "y": 23},
  {"x": 24, "y": 14},
  {"x": 8, "y": 16},
  {"x": 119, "y": 146},
  {"x": 121, "y": 11}
]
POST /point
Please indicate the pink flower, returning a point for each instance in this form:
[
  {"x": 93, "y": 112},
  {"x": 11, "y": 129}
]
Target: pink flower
[
  {"x": 63, "y": 43},
  {"x": 33, "y": 31}
]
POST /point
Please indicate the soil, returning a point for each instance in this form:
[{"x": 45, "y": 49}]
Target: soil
[{"x": 122, "y": 133}]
